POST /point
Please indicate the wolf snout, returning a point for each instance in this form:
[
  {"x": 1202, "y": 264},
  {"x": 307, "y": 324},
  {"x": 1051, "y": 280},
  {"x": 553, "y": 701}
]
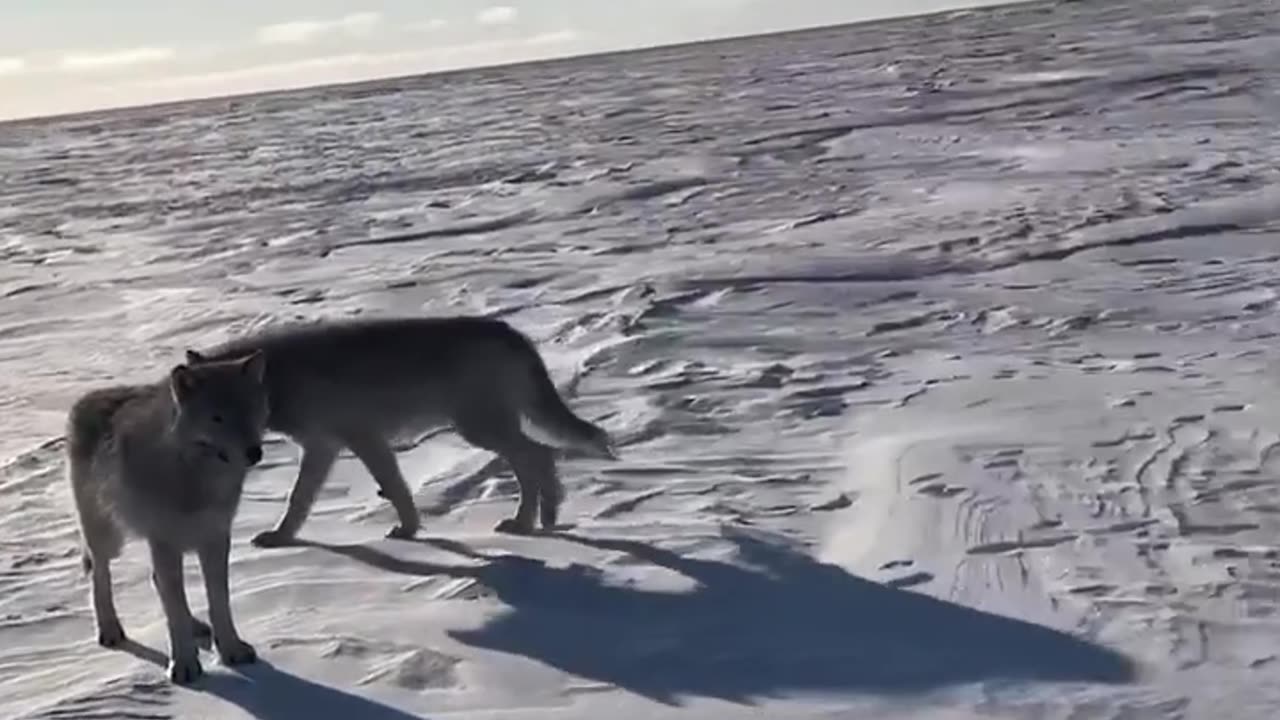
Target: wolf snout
[{"x": 253, "y": 454}]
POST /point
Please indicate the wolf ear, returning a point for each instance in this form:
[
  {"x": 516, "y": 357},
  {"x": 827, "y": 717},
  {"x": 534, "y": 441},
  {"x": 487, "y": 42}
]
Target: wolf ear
[
  {"x": 182, "y": 381},
  {"x": 194, "y": 357},
  {"x": 255, "y": 366}
]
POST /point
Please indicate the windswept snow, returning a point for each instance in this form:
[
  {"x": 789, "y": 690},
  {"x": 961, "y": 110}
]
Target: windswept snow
[{"x": 939, "y": 353}]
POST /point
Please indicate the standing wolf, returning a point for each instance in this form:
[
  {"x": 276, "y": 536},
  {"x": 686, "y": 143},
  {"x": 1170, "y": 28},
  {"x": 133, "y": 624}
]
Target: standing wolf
[
  {"x": 167, "y": 462},
  {"x": 361, "y": 383}
]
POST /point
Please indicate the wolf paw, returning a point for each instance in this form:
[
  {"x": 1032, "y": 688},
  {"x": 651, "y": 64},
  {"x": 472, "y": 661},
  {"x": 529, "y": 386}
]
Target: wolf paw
[
  {"x": 185, "y": 671},
  {"x": 400, "y": 532},
  {"x": 512, "y": 526},
  {"x": 111, "y": 634},
  {"x": 237, "y": 652},
  {"x": 271, "y": 539}
]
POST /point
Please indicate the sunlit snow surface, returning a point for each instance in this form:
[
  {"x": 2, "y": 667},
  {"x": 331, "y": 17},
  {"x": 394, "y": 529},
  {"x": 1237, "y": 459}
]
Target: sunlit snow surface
[{"x": 939, "y": 353}]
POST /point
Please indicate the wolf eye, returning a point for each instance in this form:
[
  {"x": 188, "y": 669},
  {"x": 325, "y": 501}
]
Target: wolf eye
[{"x": 217, "y": 419}]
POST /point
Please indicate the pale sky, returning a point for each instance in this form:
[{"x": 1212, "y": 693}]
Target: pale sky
[{"x": 70, "y": 55}]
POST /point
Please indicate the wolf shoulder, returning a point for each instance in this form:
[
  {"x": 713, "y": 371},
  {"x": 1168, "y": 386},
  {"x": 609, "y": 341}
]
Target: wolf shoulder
[{"x": 100, "y": 415}]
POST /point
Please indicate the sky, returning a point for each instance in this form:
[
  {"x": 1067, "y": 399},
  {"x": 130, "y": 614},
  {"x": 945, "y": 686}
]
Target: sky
[{"x": 59, "y": 56}]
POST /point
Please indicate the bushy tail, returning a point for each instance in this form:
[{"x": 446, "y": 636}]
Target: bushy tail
[{"x": 546, "y": 419}]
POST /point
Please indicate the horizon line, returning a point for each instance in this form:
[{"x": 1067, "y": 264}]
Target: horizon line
[{"x": 625, "y": 50}]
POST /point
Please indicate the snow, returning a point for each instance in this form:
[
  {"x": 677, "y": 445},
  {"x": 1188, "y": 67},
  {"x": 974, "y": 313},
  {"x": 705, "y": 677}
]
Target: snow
[{"x": 938, "y": 352}]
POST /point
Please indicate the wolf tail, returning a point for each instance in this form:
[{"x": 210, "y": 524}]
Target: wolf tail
[{"x": 545, "y": 418}]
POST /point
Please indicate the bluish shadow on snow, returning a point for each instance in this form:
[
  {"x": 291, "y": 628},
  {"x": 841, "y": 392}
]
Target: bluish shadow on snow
[
  {"x": 269, "y": 693},
  {"x": 782, "y": 623}
]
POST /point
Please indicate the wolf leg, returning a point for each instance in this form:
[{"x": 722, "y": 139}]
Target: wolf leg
[
  {"x": 318, "y": 457},
  {"x": 535, "y": 469},
  {"x": 213, "y": 565},
  {"x": 380, "y": 460},
  {"x": 110, "y": 631},
  {"x": 550, "y": 495},
  {"x": 166, "y": 575},
  {"x": 102, "y": 544},
  {"x": 496, "y": 432}
]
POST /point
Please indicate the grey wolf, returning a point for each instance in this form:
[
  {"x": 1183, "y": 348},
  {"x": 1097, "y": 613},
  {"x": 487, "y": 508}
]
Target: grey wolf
[
  {"x": 361, "y": 383},
  {"x": 166, "y": 462}
]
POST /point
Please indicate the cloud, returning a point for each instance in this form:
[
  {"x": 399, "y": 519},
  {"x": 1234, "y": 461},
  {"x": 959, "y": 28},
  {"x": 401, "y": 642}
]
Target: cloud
[
  {"x": 559, "y": 37},
  {"x": 12, "y": 65},
  {"x": 78, "y": 61},
  {"x": 301, "y": 32},
  {"x": 360, "y": 66},
  {"x": 497, "y": 15},
  {"x": 431, "y": 25}
]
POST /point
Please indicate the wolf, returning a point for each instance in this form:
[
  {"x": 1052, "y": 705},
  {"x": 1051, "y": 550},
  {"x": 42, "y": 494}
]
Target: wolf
[
  {"x": 167, "y": 462},
  {"x": 361, "y": 383}
]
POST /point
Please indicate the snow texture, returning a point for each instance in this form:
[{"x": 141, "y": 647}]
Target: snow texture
[{"x": 939, "y": 352}]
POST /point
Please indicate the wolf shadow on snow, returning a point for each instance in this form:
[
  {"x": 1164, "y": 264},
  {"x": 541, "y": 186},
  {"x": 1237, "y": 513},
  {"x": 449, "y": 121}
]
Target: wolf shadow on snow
[
  {"x": 781, "y": 623},
  {"x": 270, "y": 693}
]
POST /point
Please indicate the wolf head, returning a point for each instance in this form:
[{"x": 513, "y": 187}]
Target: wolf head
[{"x": 222, "y": 406}]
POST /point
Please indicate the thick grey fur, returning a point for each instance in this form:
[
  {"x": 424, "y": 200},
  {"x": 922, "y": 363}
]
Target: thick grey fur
[
  {"x": 360, "y": 384},
  {"x": 166, "y": 462}
]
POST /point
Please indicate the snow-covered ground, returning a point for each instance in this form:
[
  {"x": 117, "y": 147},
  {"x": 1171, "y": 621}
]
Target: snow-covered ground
[{"x": 940, "y": 352}]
